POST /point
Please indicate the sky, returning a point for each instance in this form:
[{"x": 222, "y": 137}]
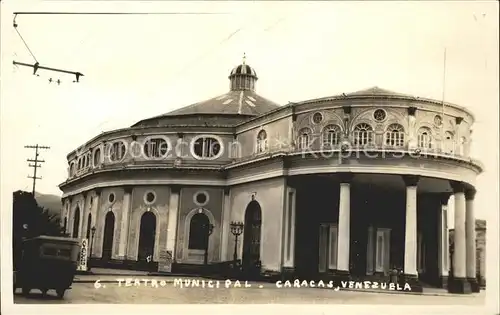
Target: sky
[{"x": 138, "y": 66}]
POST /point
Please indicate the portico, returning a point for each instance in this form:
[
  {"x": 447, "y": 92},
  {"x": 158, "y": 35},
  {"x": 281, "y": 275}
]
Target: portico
[{"x": 362, "y": 226}]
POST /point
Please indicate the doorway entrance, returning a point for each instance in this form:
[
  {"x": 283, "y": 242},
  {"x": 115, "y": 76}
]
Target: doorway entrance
[
  {"x": 76, "y": 223},
  {"x": 147, "y": 237},
  {"x": 109, "y": 231},
  {"x": 251, "y": 237}
]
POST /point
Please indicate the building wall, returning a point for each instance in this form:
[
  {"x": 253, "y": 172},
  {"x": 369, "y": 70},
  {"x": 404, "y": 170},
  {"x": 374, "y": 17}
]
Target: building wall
[
  {"x": 104, "y": 207},
  {"x": 270, "y": 195},
  {"x": 187, "y": 208},
  {"x": 138, "y": 207},
  {"x": 278, "y": 133},
  {"x": 480, "y": 248}
]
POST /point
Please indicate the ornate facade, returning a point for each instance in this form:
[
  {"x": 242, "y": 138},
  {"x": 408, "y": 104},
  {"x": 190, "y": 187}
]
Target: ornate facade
[{"x": 352, "y": 185}]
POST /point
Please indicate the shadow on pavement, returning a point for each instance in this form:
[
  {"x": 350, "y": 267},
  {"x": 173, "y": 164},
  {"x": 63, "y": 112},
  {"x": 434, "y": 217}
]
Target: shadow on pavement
[{"x": 37, "y": 295}]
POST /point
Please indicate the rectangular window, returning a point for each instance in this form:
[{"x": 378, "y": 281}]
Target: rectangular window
[
  {"x": 382, "y": 251},
  {"x": 333, "y": 247},
  {"x": 323, "y": 243},
  {"x": 290, "y": 224},
  {"x": 363, "y": 137}
]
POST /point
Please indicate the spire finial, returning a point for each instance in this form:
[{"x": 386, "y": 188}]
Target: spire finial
[{"x": 244, "y": 58}]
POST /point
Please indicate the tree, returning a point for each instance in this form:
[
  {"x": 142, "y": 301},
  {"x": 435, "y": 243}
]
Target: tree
[{"x": 30, "y": 220}]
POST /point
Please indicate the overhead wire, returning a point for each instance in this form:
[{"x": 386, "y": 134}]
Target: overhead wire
[
  {"x": 25, "y": 44},
  {"x": 184, "y": 69}
]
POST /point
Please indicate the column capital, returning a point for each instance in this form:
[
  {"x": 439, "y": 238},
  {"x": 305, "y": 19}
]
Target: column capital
[
  {"x": 98, "y": 191},
  {"x": 470, "y": 194},
  {"x": 85, "y": 193},
  {"x": 176, "y": 189},
  {"x": 345, "y": 178},
  {"x": 411, "y": 180},
  {"x": 444, "y": 198},
  {"x": 226, "y": 191},
  {"x": 70, "y": 198},
  {"x": 458, "y": 187},
  {"x": 128, "y": 189}
]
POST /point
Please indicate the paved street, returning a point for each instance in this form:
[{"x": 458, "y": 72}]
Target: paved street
[{"x": 167, "y": 293}]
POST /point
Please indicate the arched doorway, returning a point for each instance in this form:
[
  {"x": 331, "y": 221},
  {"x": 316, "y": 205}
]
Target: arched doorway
[
  {"x": 109, "y": 231},
  {"x": 252, "y": 235},
  {"x": 76, "y": 222},
  {"x": 89, "y": 226},
  {"x": 147, "y": 236},
  {"x": 198, "y": 236}
]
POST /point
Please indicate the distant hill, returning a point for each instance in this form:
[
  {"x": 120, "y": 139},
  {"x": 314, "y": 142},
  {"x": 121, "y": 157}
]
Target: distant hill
[{"x": 50, "y": 202}]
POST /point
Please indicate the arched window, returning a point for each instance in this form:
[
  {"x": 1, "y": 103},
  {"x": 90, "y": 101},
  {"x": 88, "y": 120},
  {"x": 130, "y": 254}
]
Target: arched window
[
  {"x": 117, "y": 151},
  {"x": 305, "y": 138},
  {"x": 395, "y": 135},
  {"x": 198, "y": 231},
  {"x": 206, "y": 148},
  {"x": 449, "y": 143},
  {"x": 363, "y": 134},
  {"x": 156, "y": 148},
  {"x": 424, "y": 138},
  {"x": 331, "y": 136},
  {"x": 261, "y": 141},
  {"x": 234, "y": 150},
  {"x": 97, "y": 157}
]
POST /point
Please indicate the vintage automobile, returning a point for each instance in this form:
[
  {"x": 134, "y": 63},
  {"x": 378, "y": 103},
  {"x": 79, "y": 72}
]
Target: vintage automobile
[{"x": 47, "y": 262}]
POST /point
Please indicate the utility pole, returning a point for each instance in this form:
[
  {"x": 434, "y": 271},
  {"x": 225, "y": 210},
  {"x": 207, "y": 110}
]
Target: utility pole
[{"x": 36, "y": 162}]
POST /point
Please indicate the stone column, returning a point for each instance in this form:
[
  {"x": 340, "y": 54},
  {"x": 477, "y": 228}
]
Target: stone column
[
  {"x": 482, "y": 266},
  {"x": 459, "y": 284},
  {"x": 343, "y": 249},
  {"x": 470, "y": 239},
  {"x": 124, "y": 223},
  {"x": 225, "y": 227},
  {"x": 173, "y": 210},
  {"x": 443, "y": 246},
  {"x": 85, "y": 210},
  {"x": 289, "y": 232},
  {"x": 410, "y": 260},
  {"x": 95, "y": 218}
]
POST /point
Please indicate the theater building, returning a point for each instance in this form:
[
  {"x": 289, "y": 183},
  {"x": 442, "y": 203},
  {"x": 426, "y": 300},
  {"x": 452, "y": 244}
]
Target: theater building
[{"x": 352, "y": 185}]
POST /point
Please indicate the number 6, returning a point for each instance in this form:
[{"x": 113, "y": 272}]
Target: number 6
[{"x": 97, "y": 284}]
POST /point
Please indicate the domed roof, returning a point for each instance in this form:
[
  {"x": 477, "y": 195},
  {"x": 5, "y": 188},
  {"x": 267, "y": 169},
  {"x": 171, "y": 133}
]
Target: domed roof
[
  {"x": 243, "y": 69},
  {"x": 240, "y": 100}
]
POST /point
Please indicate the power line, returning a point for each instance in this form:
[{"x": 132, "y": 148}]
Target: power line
[
  {"x": 36, "y": 162},
  {"x": 25, "y": 44}
]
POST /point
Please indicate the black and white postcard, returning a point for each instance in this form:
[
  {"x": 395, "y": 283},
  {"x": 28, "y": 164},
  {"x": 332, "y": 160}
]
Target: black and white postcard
[{"x": 249, "y": 156}]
